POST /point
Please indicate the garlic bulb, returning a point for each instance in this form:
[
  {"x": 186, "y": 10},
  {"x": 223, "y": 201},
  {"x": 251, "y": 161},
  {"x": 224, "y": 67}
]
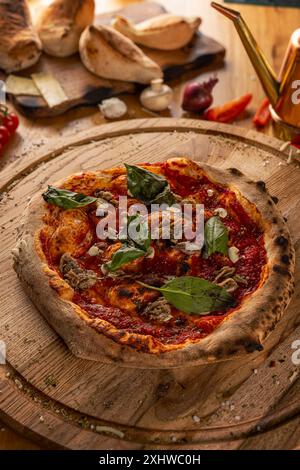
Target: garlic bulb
[{"x": 157, "y": 97}]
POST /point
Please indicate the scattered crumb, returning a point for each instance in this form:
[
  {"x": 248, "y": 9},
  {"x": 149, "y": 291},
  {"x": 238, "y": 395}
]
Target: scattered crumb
[
  {"x": 173, "y": 438},
  {"x": 110, "y": 430},
  {"x": 50, "y": 381},
  {"x": 19, "y": 384},
  {"x": 237, "y": 418},
  {"x": 41, "y": 419},
  {"x": 232, "y": 407},
  {"x": 196, "y": 419},
  {"x": 254, "y": 371}
]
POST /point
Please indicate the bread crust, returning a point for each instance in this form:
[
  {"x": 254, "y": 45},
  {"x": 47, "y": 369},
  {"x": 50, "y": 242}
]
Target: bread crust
[
  {"x": 109, "y": 54},
  {"x": 164, "y": 32},
  {"x": 20, "y": 46},
  {"x": 61, "y": 23},
  {"x": 242, "y": 332}
]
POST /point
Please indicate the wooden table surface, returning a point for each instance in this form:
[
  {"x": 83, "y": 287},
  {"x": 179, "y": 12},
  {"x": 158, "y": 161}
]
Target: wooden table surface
[{"x": 272, "y": 28}]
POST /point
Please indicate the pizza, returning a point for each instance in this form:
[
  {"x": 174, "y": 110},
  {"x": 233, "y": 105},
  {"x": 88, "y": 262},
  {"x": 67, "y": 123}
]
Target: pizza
[{"x": 141, "y": 300}]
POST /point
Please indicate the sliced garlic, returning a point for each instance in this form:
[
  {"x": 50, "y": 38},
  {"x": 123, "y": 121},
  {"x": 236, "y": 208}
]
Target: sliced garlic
[
  {"x": 113, "y": 108},
  {"x": 94, "y": 251},
  {"x": 151, "y": 253},
  {"x": 221, "y": 212},
  {"x": 233, "y": 254},
  {"x": 188, "y": 247},
  {"x": 210, "y": 192}
]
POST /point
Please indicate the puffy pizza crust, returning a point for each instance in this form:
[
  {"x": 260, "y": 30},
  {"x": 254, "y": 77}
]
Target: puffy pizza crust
[{"x": 243, "y": 331}]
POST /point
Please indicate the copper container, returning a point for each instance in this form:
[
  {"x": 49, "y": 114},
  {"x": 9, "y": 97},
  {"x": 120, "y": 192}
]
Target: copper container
[{"x": 284, "y": 91}]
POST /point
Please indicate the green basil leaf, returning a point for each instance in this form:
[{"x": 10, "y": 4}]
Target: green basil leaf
[
  {"x": 165, "y": 197},
  {"x": 216, "y": 236},
  {"x": 195, "y": 295},
  {"x": 147, "y": 186},
  {"x": 122, "y": 256},
  {"x": 66, "y": 199}
]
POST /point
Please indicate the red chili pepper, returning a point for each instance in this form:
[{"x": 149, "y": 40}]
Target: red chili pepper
[
  {"x": 296, "y": 141},
  {"x": 228, "y": 111},
  {"x": 262, "y": 116}
]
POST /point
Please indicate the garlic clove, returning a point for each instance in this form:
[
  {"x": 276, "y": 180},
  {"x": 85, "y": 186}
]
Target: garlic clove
[
  {"x": 157, "y": 97},
  {"x": 233, "y": 254},
  {"x": 221, "y": 212},
  {"x": 113, "y": 108}
]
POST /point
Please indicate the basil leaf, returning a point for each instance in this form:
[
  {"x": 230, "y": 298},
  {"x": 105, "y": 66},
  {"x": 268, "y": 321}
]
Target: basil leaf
[
  {"x": 147, "y": 186},
  {"x": 165, "y": 197},
  {"x": 195, "y": 295},
  {"x": 216, "y": 236},
  {"x": 66, "y": 199},
  {"x": 122, "y": 256}
]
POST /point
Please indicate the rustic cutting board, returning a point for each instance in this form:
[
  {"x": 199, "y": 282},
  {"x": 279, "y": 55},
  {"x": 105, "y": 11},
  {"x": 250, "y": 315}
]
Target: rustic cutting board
[
  {"x": 85, "y": 88},
  {"x": 63, "y": 401}
]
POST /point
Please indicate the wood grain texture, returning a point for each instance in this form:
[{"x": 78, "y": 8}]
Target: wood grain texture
[
  {"x": 61, "y": 399},
  {"x": 84, "y": 88},
  {"x": 271, "y": 27}
]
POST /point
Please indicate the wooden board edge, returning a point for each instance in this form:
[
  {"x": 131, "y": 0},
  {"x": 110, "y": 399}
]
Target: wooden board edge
[{"x": 14, "y": 172}]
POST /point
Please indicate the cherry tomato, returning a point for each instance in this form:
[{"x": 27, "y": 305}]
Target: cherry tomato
[
  {"x": 1, "y": 148},
  {"x": 4, "y": 135},
  {"x": 8, "y": 123},
  {"x": 15, "y": 120}
]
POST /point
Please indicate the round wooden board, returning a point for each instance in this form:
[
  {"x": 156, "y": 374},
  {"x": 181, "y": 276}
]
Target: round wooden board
[{"x": 48, "y": 393}]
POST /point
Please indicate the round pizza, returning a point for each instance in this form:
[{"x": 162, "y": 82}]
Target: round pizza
[{"x": 157, "y": 265}]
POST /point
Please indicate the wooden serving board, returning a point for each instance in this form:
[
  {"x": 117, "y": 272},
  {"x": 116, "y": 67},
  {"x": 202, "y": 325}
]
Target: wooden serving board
[
  {"x": 85, "y": 88},
  {"x": 64, "y": 402}
]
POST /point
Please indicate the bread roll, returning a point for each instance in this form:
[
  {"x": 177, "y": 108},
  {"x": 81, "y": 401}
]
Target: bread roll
[
  {"x": 109, "y": 54},
  {"x": 61, "y": 24},
  {"x": 165, "y": 32},
  {"x": 20, "y": 46}
]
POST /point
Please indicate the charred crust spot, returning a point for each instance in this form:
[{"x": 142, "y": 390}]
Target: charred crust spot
[
  {"x": 280, "y": 270},
  {"x": 285, "y": 259},
  {"x": 252, "y": 346},
  {"x": 162, "y": 389},
  {"x": 261, "y": 185},
  {"x": 235, "y": 171},
  {"x": 275, "y": 199},
  {"x": 125, "y": 292},
  {"x": 281, "y": 241},
  {"x": 274, "y": 220},
  {"x": 184, "y": 267},
  {"x": 232, "y": 351}
]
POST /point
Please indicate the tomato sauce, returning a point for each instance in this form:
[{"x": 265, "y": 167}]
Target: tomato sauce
[{"x": 244, "y": 233}]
